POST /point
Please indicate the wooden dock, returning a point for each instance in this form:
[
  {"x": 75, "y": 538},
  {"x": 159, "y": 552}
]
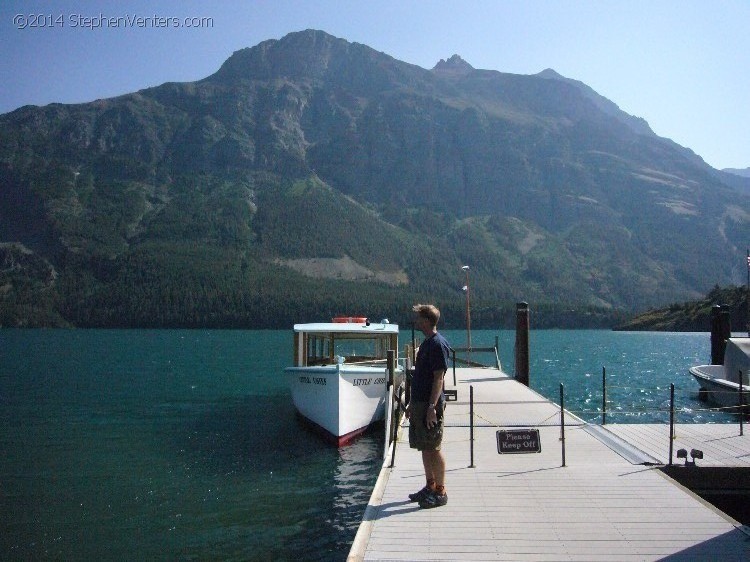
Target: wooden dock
[
  {"x": 721, "y": 444},
  {"x": 603, "y": 505}
]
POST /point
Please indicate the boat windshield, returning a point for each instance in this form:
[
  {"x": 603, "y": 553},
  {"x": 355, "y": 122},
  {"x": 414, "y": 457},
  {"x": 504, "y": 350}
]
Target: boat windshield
[{"x": 325, "y": 349}]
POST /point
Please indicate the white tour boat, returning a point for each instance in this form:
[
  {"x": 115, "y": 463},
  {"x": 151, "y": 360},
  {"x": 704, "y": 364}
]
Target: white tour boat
[
  {"x": 340, "y": 373},
  {"x": 721, "y": 383}
]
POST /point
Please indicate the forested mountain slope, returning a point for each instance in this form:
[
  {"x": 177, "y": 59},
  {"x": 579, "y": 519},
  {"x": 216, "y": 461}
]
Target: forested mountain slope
[{"x": 310, "y": 176}]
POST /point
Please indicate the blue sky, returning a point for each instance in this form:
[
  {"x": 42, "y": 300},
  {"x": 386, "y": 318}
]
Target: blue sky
[{"x": 683, "y": 65}]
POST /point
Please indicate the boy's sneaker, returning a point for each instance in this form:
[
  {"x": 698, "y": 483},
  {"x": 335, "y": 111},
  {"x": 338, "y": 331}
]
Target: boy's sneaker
[
  {"x": 433, "y": 499},
  {"x": 420, "y": 495}
]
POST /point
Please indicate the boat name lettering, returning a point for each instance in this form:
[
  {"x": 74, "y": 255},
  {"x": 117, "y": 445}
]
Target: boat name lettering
[
  {"x": 313, "y": 380},
  {"x": 362, "y": 382},
  {"x": 380, "y": 380}
]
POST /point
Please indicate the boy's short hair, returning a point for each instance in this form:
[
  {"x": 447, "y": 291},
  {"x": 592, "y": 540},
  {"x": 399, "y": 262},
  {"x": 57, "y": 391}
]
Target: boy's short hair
[{"x": 429, "y": 311}]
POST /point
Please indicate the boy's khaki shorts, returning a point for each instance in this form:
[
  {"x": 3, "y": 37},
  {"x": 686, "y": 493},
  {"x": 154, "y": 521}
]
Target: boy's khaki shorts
[{"x": 420, "y": 437}]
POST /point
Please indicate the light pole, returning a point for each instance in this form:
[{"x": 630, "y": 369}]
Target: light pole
[{"x": 468, "y": 312}]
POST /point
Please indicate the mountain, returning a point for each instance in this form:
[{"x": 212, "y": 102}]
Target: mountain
[
  {"x": 695, "y": 316},
  {"x": 310, "y": 176},
  {"x": 743, "y": 172},
  {"x": 454, "y": 65},
  {"x": 635, "y": 124}
]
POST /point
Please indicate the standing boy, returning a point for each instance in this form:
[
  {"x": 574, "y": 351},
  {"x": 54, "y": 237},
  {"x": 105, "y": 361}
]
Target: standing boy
[{"x": 427, "y": 404}]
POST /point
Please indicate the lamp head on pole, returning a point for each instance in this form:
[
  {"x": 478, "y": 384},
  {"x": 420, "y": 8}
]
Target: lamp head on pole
[{"x": 468, "y": 313}]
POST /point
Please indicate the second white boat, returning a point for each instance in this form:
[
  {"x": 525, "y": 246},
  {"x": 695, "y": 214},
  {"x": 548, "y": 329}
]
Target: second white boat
[{"x": 726, "y": 384}]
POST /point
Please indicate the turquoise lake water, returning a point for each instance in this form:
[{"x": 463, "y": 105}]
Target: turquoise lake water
[{"x": 183, "y": 445}]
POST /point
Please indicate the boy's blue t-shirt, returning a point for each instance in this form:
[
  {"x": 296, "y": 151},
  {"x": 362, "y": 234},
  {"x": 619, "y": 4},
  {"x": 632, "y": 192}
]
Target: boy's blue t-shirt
[{"x": 433, "y": 356}]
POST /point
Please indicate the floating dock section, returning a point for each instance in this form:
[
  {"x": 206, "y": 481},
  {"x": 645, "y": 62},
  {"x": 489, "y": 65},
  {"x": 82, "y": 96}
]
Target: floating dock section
[{"x": 603, "y": 497}]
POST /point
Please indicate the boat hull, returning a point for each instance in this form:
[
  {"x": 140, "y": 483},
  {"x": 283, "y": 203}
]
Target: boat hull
[
  {"x": 340, "y": 401},
  {"x": 718, "y": 389}
]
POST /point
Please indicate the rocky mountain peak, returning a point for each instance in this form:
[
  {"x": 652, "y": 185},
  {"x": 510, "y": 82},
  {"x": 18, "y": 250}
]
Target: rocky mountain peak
[
  {"x": 297, "y": 54},
  {"x": 455, "y": 65},
  {"x": 550, "y": 74}
]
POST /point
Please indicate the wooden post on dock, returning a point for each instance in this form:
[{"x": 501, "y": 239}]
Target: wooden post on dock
[
  {"x": 721, "y": 331},
  {"x": 604, "y": 396},
  {"x": 522, "y": 343},
  {"x": 391, "y": 368},
  {"x": 741, "y": 402}
]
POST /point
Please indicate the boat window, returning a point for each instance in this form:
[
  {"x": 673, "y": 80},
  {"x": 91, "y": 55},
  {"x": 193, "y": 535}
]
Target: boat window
[
  {"x": 322, "y": 349},
  {"x": 319, "y": 349},
  {"x": 361, "y": 349}
]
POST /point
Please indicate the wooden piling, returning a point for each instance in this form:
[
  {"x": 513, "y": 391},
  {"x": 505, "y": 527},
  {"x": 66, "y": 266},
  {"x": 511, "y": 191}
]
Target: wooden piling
[
  {"x": 721, "y": 331},
  {"x": 391, "y": 368},
  {"x": 522, "y": 343}
]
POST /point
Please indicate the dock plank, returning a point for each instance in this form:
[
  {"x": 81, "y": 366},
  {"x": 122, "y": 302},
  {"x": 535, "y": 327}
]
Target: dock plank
[
  {"x": 530, "y": 507},
  {"x": 722, "y": 444}
]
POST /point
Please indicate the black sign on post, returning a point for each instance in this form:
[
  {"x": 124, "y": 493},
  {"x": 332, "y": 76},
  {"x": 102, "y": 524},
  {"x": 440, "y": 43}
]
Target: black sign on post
[{"x": 518, "y": 441}]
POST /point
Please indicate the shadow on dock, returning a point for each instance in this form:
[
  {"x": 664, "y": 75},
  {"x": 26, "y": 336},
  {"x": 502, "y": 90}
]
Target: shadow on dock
[{"x": 727, "y": 488}]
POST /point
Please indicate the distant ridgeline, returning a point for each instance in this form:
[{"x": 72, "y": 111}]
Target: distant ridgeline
[
  {"x": 311, "y": 177},
  {"x": 694, "y": 316}
]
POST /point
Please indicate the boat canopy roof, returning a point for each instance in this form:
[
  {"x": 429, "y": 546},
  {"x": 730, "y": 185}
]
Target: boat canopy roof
[
  {"x": 743, "y": 344},
  {"x": 347, "y": 328},
  {"x": 737, "y": 357}
]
